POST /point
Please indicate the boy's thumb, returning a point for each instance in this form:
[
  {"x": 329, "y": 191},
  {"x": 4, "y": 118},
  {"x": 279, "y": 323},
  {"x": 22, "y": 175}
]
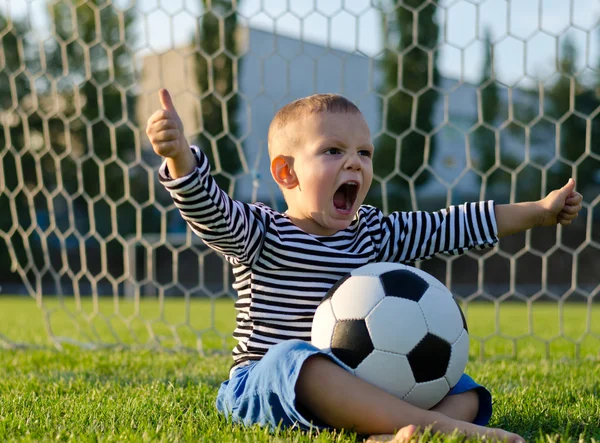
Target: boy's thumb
[
  {"x": 568, "y": 188},
  {"x": 165, "y": 100}
]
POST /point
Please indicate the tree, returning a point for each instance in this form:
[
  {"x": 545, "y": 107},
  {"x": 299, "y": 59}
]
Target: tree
[
  {"x": 217, "y": 66},
  {"x": 410, "y": 35},
  {"x": 571, "y": 103},
  {"x": 484, "y": 135},
  {"x": 509, "y": 149},
  {"x": 14, "y": 85},
  {"x": 96, "y": 75},
  {"x": 63, "y": 121}
]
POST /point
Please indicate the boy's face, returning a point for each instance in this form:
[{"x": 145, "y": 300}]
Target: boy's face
[{"x": 332, "y": 164}]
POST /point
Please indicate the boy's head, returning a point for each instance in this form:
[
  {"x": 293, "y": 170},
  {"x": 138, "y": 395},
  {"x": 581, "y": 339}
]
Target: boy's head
[{"x": 321, "y": 157}]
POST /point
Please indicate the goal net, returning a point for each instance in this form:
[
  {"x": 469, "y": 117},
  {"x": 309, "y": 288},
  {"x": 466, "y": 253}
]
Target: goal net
[{"x": 466, "y": 100}]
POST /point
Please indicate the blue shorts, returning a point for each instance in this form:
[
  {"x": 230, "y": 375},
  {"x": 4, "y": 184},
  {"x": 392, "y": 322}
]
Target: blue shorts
[{"x": 263, "y": 392}]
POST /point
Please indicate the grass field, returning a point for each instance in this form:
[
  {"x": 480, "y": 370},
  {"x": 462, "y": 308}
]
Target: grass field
[{"x": 142, "y": 394}]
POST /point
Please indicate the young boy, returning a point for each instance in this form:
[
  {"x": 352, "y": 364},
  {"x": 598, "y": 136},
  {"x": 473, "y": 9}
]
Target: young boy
[{"x": 321, "y": 158}]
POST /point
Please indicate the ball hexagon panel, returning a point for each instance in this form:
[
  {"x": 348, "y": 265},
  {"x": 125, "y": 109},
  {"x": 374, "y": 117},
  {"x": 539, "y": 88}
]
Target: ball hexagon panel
[
  {"x": 351, "y": 342},
  {"x": 431, "y": 280},
  {"x": 458, "y": 359},
  {"x": 429, "y": 359},
  {"x": 375, "y": 269},
  {"x": 427, "y": 395},
  {"x": 334, "y": 288},
  {"x": 462, "y": 315},
  {"x": 390, "y": 334},
  {"x": 390, "y": 372},
  {"x": 323, "y": 325},
  {"x": 442, "y": 314},
  {"x": 403, "y": 283},
  {"x": 356, "y": 297}
]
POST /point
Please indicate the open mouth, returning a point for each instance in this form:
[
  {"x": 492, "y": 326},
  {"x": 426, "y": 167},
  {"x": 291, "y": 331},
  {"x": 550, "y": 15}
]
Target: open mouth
[{"x": 345, "y": 196}]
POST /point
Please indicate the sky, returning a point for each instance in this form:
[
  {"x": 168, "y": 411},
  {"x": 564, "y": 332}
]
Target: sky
[{"x": 527, "y": 33}]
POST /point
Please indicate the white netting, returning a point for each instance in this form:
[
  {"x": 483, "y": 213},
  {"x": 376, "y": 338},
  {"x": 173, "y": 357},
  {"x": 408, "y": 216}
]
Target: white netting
[{"x": 466, "y": 100}]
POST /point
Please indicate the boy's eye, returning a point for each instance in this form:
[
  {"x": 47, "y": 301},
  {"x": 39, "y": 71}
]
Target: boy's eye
[
  {"x": 366, "y": 153},
  {"x": 332, "y": 151}
]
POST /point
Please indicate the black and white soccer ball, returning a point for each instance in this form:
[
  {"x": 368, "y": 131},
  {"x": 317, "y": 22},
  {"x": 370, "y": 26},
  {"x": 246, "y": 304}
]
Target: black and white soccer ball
[{"x": 396, "y": 327}]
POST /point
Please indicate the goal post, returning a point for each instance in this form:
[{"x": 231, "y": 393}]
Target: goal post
[{"x": 465, "y": 101}]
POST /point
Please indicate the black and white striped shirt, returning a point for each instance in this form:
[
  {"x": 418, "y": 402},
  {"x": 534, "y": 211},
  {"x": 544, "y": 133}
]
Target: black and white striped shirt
[{"x": 282, "y": 273}]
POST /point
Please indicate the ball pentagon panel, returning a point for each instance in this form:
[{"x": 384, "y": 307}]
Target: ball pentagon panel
[
  {"x": 429, "y": 359},
  {"x": 386, "y": 316},
  {"x": 351, "y": 342},
  {"x": 376, "y": 269},
  {"x": 403, "y": 283}
]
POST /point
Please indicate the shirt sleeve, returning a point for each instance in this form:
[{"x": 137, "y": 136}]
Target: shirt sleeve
[
  {"x": 418, "y": 235},
  {"x": 230, "y": 227}
]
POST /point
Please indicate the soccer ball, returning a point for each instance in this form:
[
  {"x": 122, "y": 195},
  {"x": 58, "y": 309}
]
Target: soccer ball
[{"x": 396, "y": 327}]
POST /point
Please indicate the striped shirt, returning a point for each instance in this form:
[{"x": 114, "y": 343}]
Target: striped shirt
[{"x": 282, "y": 273}]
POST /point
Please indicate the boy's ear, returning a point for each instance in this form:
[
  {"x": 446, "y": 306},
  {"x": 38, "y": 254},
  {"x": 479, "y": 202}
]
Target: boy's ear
[{"x": 283, "y": 172}]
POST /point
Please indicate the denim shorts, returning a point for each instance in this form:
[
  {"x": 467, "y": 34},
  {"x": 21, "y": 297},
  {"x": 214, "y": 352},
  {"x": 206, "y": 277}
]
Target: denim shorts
[{"x": 263, "y": 392}]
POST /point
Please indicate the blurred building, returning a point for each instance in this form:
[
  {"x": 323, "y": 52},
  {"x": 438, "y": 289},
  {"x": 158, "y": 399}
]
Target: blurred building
[{"x": 274, "y": 70}]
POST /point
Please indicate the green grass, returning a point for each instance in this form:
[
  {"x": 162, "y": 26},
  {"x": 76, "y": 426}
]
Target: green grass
[{"x": 142, "y": 394}]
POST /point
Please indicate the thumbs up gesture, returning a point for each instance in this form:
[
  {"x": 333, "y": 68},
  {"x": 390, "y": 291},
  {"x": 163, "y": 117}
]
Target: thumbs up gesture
[
  {"x": 561, "y": 206},
  {"x": 165, "y": 130}
]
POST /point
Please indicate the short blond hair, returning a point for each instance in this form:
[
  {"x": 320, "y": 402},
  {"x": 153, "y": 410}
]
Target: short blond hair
[{"x": 313, "y": 104}]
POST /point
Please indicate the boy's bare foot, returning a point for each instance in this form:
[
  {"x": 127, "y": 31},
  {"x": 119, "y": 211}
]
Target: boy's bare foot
[
  {"x": 403, "y": 435},
  {"x": 500, "y": 435}
]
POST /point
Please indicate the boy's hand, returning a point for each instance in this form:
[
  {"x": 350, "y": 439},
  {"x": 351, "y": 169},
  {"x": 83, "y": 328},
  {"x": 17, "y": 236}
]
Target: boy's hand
[
  {"x": 165, "y": 129},
  {"x": 561, "y": 206}
]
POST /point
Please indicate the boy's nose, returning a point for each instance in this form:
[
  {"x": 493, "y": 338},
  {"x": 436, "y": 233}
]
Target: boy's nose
[{"x": 353, "y": 162}]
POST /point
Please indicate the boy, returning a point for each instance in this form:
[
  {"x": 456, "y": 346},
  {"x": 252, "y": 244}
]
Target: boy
[{"x": 321, "y": 158}]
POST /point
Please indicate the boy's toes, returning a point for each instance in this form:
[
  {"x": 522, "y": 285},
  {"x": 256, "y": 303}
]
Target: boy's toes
[
  {"x": 403, "y": 435},
  {"x": 380, "y": 438}
]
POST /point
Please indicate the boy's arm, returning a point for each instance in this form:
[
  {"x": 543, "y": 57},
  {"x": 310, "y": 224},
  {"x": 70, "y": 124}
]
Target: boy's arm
[
  {"x": 411, "y": 236},
  {"x": 227, "y": 226},
  {"x": 559, "y": 207},
  {"x": 181, "y": 165}
]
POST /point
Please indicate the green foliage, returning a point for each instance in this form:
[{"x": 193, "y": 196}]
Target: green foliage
[
  {"x": 70, "y": 116},
  {"x": 571, "y": 131},
  {"x": 11, "y": 32},
  {"x": 484, "y": 135},
  {"x": 96, "y": 91},
  {"x": 11, "y": 127},
  {"x": 490, "y": 139},
  {"x": 217, "y": 76},
  {"x": 571, "y": 104},
  {"x": 410, "y": 71},
  {"x": 567, "y": 106}
]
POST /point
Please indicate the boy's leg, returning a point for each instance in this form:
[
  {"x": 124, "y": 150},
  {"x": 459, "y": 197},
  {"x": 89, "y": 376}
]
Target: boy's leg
[
  {"x": 464, "y": 406},
  {"x": 467, "y": 401},
  {"x": 343, "y": 400}
]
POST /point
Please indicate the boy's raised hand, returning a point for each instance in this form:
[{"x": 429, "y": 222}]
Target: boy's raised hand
[
  {"x": 561, "y": 206},
  {"x": 165, "y": 130}
]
